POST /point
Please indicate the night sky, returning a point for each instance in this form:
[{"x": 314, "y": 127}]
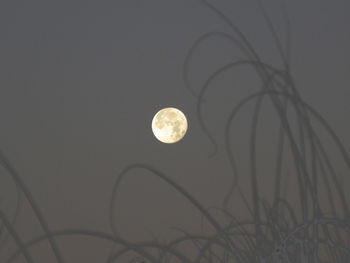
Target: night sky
[{"x": 81, "y": 81}]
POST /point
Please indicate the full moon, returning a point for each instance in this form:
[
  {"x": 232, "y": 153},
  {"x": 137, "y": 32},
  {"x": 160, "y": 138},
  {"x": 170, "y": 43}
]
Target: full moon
[{"x": 169, "y": 125}]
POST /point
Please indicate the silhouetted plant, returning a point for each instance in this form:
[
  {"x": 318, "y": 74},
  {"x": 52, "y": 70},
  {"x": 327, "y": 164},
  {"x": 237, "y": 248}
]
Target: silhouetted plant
[{"x": 275, "y": 231}]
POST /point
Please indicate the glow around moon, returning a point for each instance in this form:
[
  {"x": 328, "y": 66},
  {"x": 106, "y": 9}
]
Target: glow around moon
[{"x": 169, "y": 125}]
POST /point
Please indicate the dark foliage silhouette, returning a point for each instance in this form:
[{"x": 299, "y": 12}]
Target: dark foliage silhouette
[{"x": 277, "y": 230}]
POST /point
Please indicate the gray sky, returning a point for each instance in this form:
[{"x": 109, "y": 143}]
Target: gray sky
[{"x": 81, "y": 81}]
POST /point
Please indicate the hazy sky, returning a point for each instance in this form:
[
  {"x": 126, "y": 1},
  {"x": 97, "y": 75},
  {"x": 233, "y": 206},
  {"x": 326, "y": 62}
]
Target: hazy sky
[{"x": 80, "y": 83}]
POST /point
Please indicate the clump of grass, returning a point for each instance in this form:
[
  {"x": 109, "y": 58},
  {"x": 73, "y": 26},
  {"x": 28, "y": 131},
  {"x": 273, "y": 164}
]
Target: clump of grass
[{"x": 275, "y": 231}]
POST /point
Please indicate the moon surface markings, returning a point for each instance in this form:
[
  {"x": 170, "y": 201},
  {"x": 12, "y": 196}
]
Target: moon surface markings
[{"x": 169, "y": 125}]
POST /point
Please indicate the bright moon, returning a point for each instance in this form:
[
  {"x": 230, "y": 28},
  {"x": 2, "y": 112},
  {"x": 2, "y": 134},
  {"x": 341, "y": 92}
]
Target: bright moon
[{"x": 169, "y": 125}]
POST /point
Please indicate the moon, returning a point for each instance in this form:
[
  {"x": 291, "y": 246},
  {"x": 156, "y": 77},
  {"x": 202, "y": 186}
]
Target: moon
[{"x": 169, "y": 125}]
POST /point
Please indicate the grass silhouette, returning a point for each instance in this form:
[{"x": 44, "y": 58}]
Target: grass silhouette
[{"x": 275, "y": 231}]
